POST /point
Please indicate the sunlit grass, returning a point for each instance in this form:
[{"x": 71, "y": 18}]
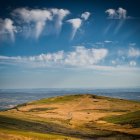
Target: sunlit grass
[
  {"x": 32, "y": 135},
  {"x": 32, "y": 120},
  {"x": 59, "y": 99},
  {"x": 132, "y": 118}
]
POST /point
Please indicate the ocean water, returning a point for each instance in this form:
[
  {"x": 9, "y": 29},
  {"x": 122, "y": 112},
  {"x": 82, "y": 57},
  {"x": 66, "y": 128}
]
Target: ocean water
[{"x": 12, "y": 97}]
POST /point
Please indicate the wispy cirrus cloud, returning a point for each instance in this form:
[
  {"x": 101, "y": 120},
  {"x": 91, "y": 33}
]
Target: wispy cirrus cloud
[
  {"x": 33, "y": 22},
  {"x": 76, "y": 24},
  {"x": 111, "y": 13},
  {"x": 36, "y": 19},
  {"x": 59, "y": 15},
  {"x": 7, "y": 28},
  {"x": 119, "y": 14},
  {"x": 85, "y": 15}
]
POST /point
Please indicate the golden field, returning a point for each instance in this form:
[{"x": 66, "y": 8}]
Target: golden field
[{"x": 72, "y": 117}]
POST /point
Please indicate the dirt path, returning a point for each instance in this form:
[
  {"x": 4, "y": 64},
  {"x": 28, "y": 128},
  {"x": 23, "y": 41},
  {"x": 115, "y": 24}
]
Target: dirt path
[{"x": 70, "y": 114}]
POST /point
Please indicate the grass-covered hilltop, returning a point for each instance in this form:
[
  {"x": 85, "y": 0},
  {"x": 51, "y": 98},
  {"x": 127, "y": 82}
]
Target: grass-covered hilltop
[{"x": 72, "y": 117}]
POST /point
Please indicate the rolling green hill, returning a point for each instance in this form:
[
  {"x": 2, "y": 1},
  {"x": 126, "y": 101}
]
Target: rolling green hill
[{"x": 72, "y": 117}]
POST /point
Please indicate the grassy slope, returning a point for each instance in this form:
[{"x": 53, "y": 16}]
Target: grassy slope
[
  {"x": 6, "y": 134},
  {"x": 24, "y": 122},
  {"x": 132, "y": 118}
]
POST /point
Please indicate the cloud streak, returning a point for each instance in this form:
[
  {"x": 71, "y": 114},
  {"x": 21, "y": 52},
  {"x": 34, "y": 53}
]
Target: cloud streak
[
  {"x": 117, "y": 14},
  {"x": 85, "y": 15},
  {"x": 120, "y": 14},
  {"x": 59, "y": 15},
  {"x": 76, "y": 24},
  {"x": 36, "y": 19},
  {"x": 7, "y": 28}
]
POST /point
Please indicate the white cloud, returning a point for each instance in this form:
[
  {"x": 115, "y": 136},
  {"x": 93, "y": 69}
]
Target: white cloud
[
  {"x": 85, "y": 15},
  {"x": 38, "y": 18},
  {"x": 108, "y": 41},
  {"x": 113, "y": 62},
  {"x": 54, "y": 57},
  {"x": 132, "y": 63},
  {"x": 121, "y": 13},
  {"x": 81, "y": 57},
  {"x": 34, "y": 16},
  {"x": 7, "y": 28},
  {"x": 60, "y": 15},
  {"x": 111, "y": 13},
  {"x": 132, "y": 44},
  {"x": 132, "y": 52},
  {"x": 117, "y": 14},
  {"x": 76, "y": 24}
]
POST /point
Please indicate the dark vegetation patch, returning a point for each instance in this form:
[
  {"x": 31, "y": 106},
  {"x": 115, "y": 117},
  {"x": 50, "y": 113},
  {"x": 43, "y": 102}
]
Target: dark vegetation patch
[
  {"x": 95, "y": 96},
  {"x": 103, "y": 110},
  {"x": 18, "y": 106},
  {"x": 42, "y": 109},
  {"x": 111, "y": 110},
  {"x": 35, "y": 126},
  {"x": 109, "y": 135},
  {"x": 10, "y": 123},
  {"x": 132, "y": 118},
  {"x": 21, "y": 105},
  {"x": 95, "y": 101}
]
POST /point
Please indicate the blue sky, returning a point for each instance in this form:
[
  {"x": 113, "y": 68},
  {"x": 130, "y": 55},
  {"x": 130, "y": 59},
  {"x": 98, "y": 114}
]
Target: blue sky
[{"x": 69, "y": 44}]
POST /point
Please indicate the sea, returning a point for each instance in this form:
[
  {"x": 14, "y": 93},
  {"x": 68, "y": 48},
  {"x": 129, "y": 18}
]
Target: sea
[{"x": 12, "y": 97}]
